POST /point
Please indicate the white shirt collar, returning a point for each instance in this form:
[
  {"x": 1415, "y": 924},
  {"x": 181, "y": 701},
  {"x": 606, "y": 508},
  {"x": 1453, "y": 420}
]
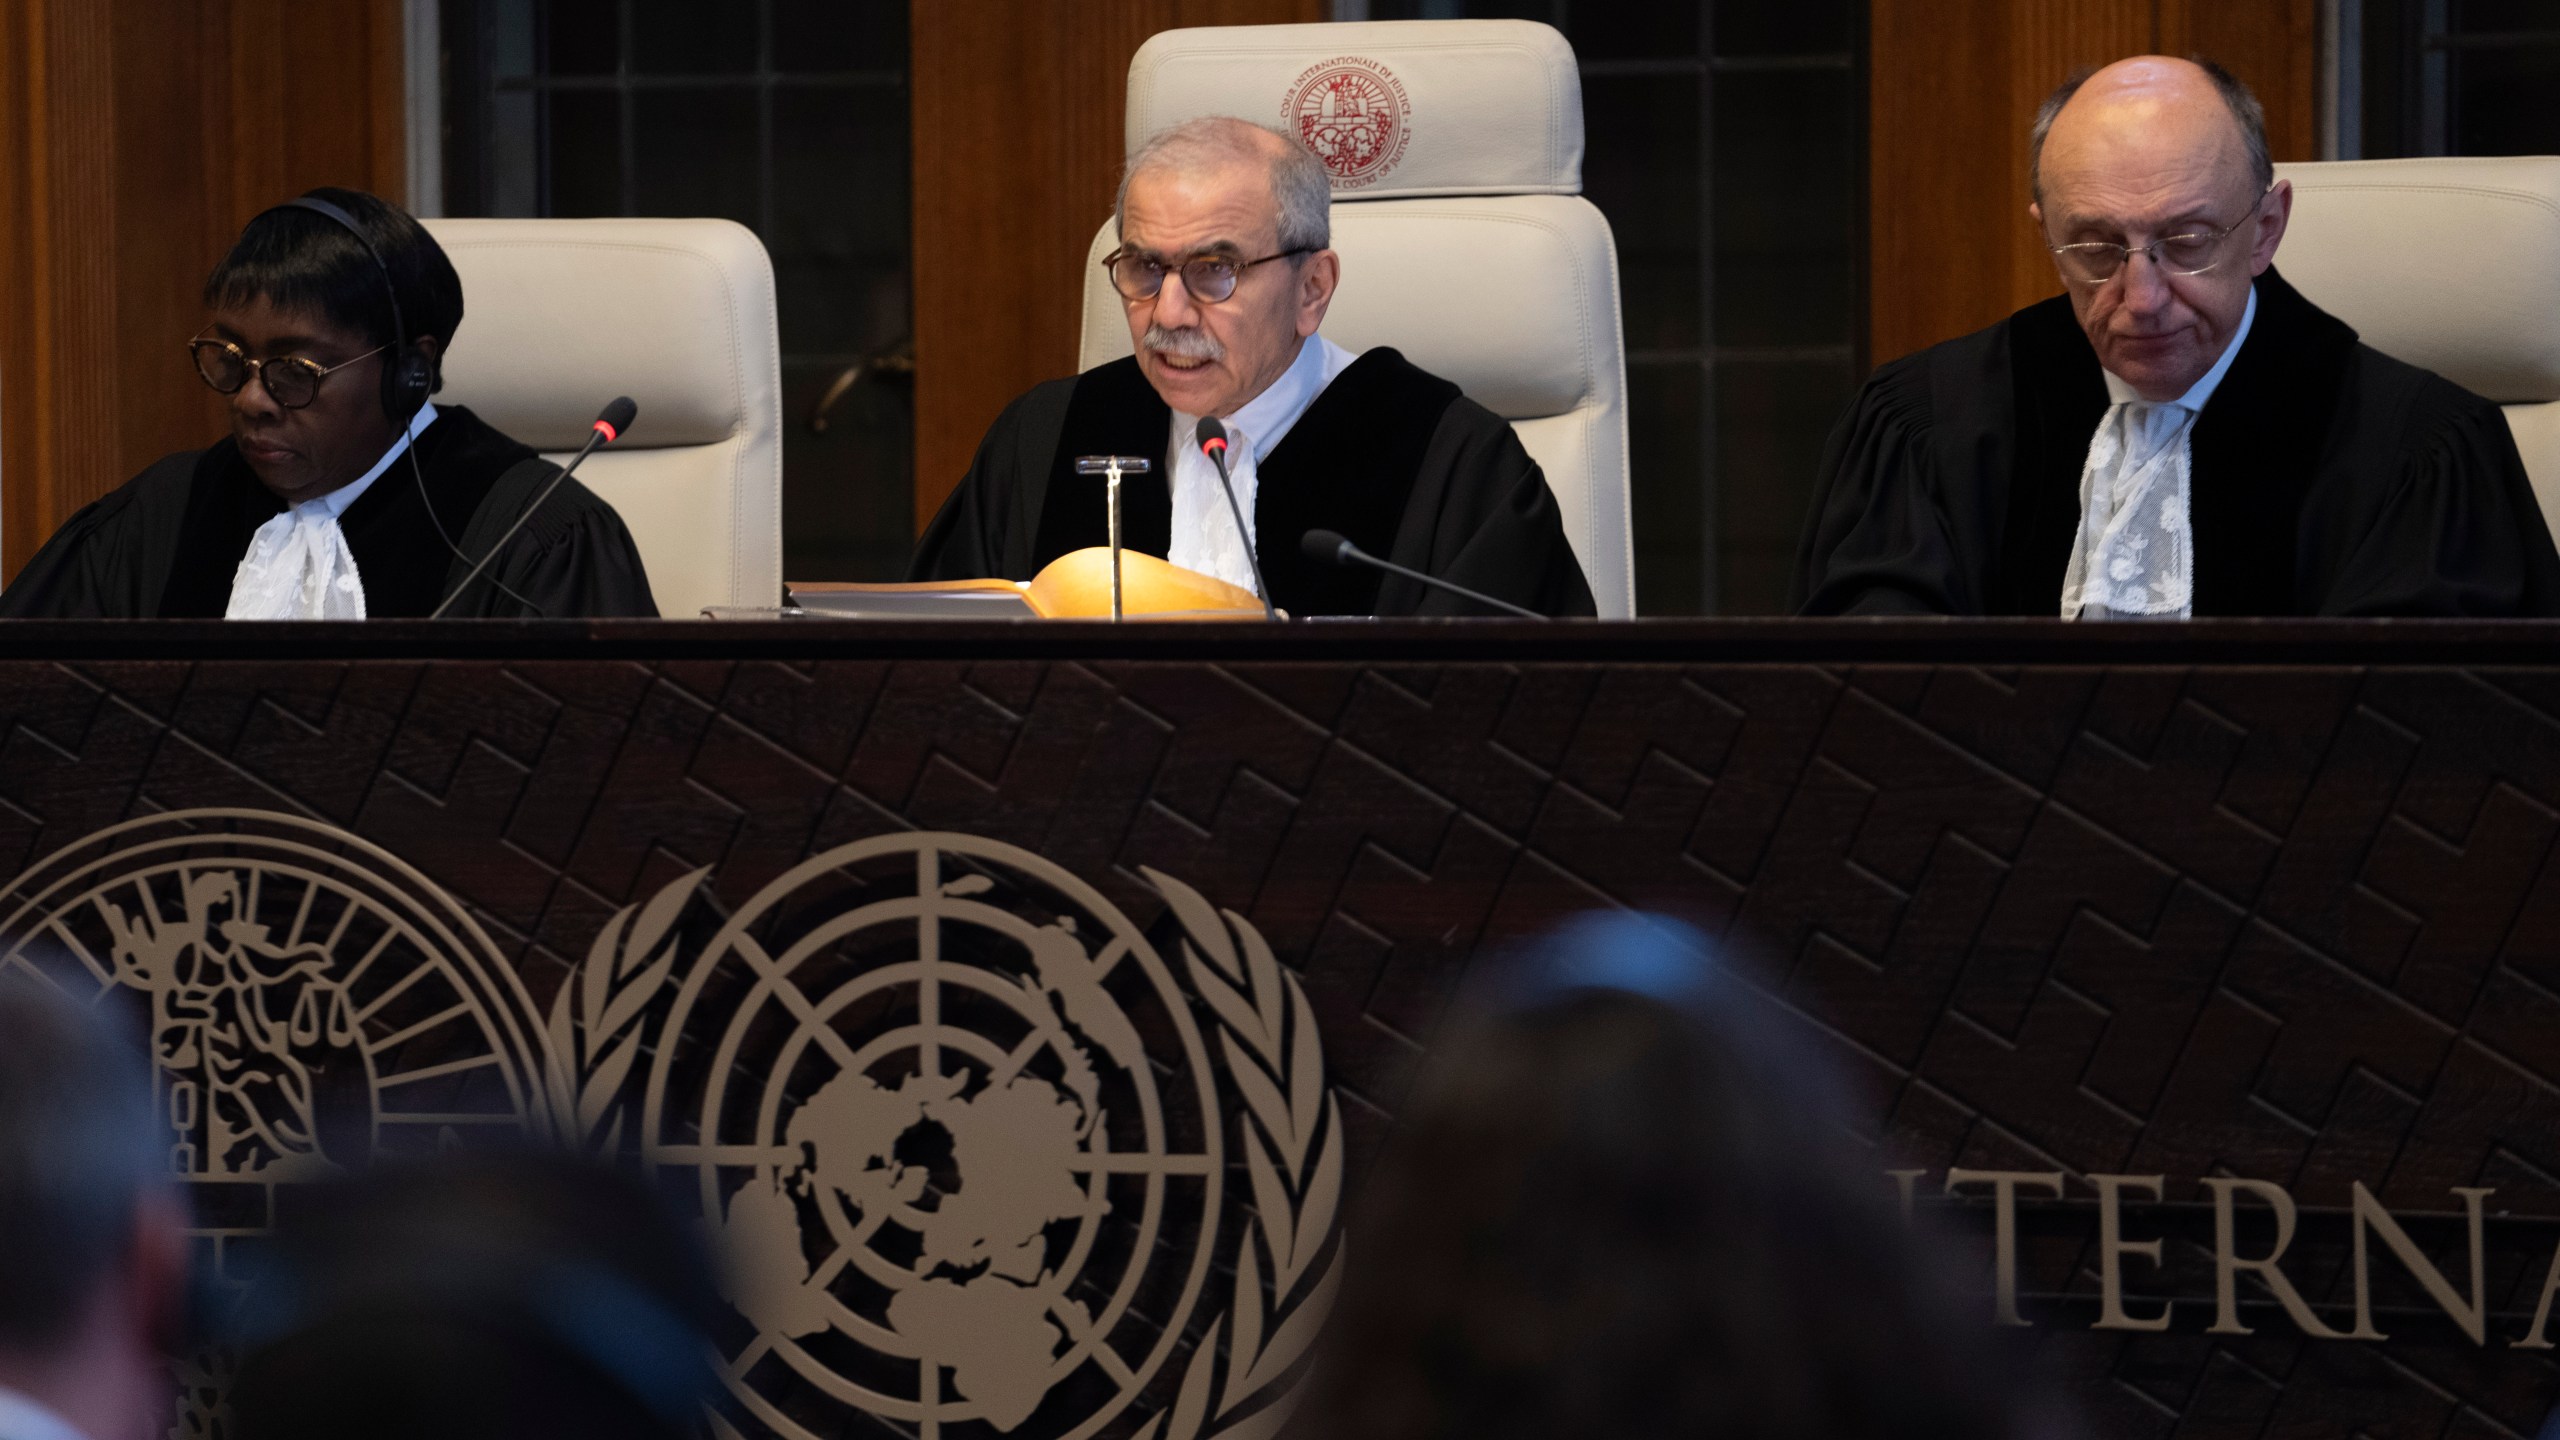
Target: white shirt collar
[
  {"x": 2121, "y": 392},
  {"x": 335, "y": 503},
  {"x": 1267, "y": 417},
  {"x": 23, "y": 1418}
]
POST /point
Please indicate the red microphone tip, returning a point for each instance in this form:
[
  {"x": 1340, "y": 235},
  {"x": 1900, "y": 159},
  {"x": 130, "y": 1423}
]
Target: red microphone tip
[
  {"x": 605, "y": 428},
  {"x": 1215, "y": 444}
]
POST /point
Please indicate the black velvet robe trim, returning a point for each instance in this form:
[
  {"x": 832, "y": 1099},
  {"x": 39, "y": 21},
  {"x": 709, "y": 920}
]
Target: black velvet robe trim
[
  {"x": 168, "y": 542},
  {"x": 1348, "y": 464},
  {"x": 2328, "y": 479},
  {"x": 1391, "y": 456},
  {"x": 2248, "y": 475}
]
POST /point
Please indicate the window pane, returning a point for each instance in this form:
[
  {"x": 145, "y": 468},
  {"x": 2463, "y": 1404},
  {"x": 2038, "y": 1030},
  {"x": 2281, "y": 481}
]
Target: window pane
[
  {"x": 586, "y": 153},
  {"x": 695, "y": 153},
  {"x": 2503, "y": 101},
  {"x": 1641, "y": 167},
  {"x": 839, "y": 36},
  {"x": 584, "y": 37},
  {"x": 839, "y": 238},
  {"x": 1771, "y": 421},
  {"x": 1653, "y": 30},
  {"x": 690, "y": 37},
  {"x": 848, "y": 495},
  {"x": 2480, "y": 17},
  {"x": 1786, "y": 207},
  {"x": 1664, "y": 412},
  {"x": 1786, "y": 27}
]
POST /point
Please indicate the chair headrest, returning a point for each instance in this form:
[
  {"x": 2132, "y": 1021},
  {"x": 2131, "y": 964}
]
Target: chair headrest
[
  {"x": 1392, "y": 107},
  {"x": 560, "y": 316},
  {"x": 2448, "y": 264}
]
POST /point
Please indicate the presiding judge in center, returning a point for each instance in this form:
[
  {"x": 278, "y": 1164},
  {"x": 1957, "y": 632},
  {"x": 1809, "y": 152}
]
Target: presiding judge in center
[
  {"x": 2183, "y": 433},
  {"x": 1225, "y": 272},
  {"x": 343, "y": 492}
]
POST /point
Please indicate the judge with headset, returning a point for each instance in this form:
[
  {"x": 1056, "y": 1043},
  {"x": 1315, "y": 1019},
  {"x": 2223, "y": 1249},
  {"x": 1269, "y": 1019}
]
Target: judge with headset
[{"x": 343, "y": 490}]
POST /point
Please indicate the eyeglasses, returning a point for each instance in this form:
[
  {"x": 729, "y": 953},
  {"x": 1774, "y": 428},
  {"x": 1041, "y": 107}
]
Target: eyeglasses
[
  {"x": 2095, "y": 262},
  {"x": 292, "y": 382},
  {"x": 1205, "y": 278}
]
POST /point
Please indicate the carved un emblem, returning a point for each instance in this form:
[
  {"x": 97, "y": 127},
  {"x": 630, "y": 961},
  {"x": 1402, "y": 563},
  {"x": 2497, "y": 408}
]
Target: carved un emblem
[
  {"x": 1353, "y": 114},
  {"x": 968, "y": 1137}
]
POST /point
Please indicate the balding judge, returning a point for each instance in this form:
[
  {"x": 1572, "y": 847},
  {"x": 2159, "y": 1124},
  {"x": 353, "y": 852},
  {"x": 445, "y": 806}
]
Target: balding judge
[
  {"x": 1225, "y": 270},
  {"x": 2181, "y": 434}
]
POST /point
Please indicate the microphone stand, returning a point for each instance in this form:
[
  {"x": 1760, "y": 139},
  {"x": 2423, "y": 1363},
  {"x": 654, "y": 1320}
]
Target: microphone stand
[
  {"x": 1212, "y": 437},
  {"x": 1326, "y": 547},
  {"x": 1111, "y": 468},
  {"x": 606, "y": 429}
]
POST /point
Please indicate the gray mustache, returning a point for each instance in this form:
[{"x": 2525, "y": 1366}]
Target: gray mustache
[{"x": 1188, "y": 343}]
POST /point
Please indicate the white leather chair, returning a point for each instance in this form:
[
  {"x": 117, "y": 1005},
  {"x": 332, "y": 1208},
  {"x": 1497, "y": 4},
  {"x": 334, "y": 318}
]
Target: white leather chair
[
  {"x": 560, "y": 316},
  {"x": 1465, "y": 240},
  {"x": 2448, "y": 264}
]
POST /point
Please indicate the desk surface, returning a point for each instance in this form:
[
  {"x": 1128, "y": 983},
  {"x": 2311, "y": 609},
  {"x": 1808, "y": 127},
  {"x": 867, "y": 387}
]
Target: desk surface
[
  {"x": 1745, "y": 641},
  {"x": 2275, "y": 900}
]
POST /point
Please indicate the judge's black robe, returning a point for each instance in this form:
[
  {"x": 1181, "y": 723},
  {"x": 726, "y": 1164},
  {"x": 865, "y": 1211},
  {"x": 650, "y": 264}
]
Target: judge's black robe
[
  {"x": 1394, "y": 458},
  {"x": 168, "y": 542},
  {"x": 2327, "y": 479}
]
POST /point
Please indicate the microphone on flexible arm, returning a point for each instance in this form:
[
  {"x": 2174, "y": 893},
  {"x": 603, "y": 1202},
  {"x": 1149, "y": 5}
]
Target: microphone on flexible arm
[
  {"x": 1212, "y": 439},
  {"x": 608, "y": 427},
  {"x": 1326, "y": 547}
]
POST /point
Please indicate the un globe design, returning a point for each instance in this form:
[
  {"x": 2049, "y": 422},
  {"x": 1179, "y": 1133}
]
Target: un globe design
[{"x": 945, "y": 1106}]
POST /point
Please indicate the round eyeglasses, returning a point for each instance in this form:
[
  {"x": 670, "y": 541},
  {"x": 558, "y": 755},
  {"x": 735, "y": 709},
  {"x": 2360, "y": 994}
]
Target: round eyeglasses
[
  {"x": 292, "y": 381},
  {"x": 1205, "y": 278},
  {"x": 2095, "y": 262}
]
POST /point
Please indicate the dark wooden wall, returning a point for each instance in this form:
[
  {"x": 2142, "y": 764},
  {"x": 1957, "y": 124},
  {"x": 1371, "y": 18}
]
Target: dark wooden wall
[
  {"x": 1952, "y": 86},
  {"x": 136, "y": 136},
  {"x": 1017, "y": 150}
]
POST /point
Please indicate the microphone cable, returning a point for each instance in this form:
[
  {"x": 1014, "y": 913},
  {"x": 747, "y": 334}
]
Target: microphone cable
[{"x": 608, "y": 427}]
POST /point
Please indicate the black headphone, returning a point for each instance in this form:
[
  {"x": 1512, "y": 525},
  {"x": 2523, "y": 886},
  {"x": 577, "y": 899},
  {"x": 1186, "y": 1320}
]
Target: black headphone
[{"x": 408, "y": 377}]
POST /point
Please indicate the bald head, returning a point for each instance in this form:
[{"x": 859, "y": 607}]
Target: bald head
[
  {"x": 2194, "y": 108},
  {"x": 2153, "y": 187}
]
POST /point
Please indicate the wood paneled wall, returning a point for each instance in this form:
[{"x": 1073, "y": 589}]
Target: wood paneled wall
[
  {"x": 1017, "y": 123},
  {"x": 1952, "y": 87},
  {"x": 136, "y": 137}
]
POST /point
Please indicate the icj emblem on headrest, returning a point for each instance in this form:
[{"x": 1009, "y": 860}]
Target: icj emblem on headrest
[{"x": 1354, "y": 115}]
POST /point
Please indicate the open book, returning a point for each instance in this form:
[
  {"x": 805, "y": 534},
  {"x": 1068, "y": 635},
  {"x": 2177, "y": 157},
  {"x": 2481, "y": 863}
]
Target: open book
[{"x": 1075, "y": 586}]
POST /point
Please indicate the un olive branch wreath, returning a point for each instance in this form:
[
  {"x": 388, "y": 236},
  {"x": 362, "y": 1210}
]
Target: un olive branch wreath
[
  {"x": 1291, "y": 1136},
  {"x": 1290, "y": 1133},
  {"x": 593, "y": 1049}
]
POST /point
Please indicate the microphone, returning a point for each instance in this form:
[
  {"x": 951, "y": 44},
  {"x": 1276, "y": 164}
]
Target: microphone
[
  {"x": 608, "y": 428},
  {"x": 1212, "y": 439},
  {"x": 1326, "y": 547}
]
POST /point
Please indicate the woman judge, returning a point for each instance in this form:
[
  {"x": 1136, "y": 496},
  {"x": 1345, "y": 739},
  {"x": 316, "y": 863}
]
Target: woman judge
[{"x": 343, "y": 490}]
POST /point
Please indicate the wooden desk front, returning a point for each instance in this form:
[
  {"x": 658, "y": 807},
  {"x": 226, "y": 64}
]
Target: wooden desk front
[{"x": 2266, "y": 902}]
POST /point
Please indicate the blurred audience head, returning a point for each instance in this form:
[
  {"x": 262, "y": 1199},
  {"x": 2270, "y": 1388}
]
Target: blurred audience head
[
  {"x": 502, "y": 1297},
  {"x": 1620, "y": 1205},
  {"x": 92, "y": 1237}
]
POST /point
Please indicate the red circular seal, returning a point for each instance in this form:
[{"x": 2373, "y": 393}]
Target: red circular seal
[{"x": 1353, "y": 114}]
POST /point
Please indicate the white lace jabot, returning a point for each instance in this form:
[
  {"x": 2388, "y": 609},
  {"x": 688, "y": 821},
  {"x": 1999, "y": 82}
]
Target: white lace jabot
[
  {"x": 298, "y": 566},
  {"x": 2134, "y": 557}
]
